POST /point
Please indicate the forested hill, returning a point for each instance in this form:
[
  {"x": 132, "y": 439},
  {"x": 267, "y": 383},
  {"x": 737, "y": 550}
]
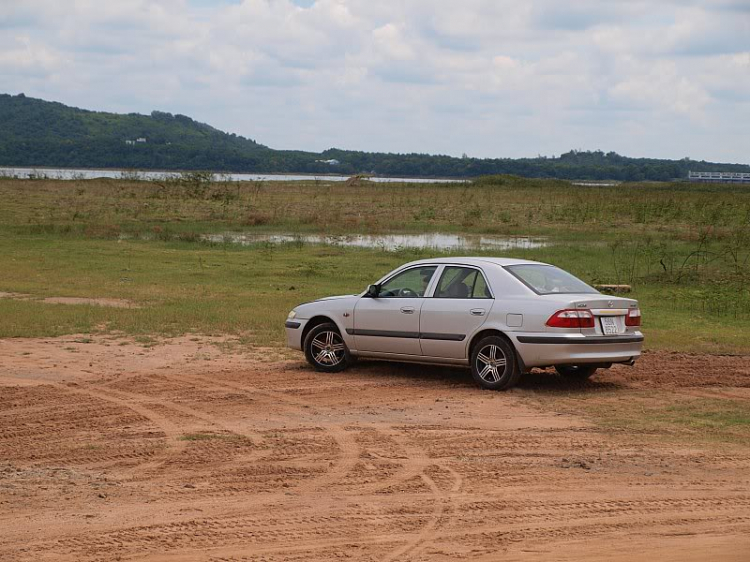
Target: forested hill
[
  {"x": 39, "y": 133},
  {"x": 35, "y": 132}
]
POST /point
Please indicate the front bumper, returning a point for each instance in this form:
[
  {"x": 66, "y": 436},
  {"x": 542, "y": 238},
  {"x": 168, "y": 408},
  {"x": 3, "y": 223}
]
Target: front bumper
[
  {"x": 294, "y": 329},
  {"x": 542, "y": 350}
]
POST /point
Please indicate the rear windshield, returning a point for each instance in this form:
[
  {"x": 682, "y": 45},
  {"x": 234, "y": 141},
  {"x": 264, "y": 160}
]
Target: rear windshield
[{"x": 548, "y": 279}]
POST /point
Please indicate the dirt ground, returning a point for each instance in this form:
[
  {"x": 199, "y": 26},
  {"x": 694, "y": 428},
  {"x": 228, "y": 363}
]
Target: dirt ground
[{"x": 187, "y": 450}]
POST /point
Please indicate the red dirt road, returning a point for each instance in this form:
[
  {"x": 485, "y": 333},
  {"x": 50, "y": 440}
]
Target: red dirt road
[{"x": 181, "y": 452}]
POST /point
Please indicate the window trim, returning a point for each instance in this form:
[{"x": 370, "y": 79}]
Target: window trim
[{"x": 462, "y": 266}]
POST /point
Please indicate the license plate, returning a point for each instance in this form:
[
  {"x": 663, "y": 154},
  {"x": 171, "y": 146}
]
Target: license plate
[{"x": 609, "y": 326}]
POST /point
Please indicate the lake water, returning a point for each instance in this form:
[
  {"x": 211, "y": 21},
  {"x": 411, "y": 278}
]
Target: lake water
[
  {"x": 75, "y": 174},
  {"x": 388, "y": 242}
]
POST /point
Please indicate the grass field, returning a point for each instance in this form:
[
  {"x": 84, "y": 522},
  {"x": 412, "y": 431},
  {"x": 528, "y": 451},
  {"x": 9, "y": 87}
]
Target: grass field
[{"x": 684, "y": 248}]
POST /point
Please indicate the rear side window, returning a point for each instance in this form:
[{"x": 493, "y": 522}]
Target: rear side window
[
  {"x": 462, "y": 283},
  {"x": 481, "y": 290},
  {"x": 548, "y": 279}
]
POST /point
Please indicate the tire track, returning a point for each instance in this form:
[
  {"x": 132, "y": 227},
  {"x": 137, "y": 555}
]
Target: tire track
[
  {"x": 33, "y": 436},
  {"x": 427, "y": 533},
  {"x": 309, "y": 531},
  {"x": 348, "y": 449},
  {"x": 278, "y": 468},
  {"x": 171, "y": 430},
  {"x": 186, "y": 410}
]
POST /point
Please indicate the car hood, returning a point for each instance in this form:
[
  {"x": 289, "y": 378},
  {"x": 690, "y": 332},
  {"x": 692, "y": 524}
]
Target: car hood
[
  {"x": 325, "y": 304},
  {"x": 338, "y": 297}
]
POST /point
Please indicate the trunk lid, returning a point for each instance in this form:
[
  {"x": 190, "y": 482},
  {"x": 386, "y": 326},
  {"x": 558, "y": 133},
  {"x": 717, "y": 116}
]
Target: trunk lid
[{"x": 609, "y": 314}]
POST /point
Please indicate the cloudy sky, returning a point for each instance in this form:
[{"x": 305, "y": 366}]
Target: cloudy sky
[{"x": 490, "y": 78}]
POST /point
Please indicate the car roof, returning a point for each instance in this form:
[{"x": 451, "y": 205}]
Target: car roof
[{"x": 475, "y": 261}]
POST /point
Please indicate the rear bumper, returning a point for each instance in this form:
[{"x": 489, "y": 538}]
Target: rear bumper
[
  {"x": 542, "y": 350},
  {"x": 294, "y": 329},
  {"x": 594, "y": 340}
]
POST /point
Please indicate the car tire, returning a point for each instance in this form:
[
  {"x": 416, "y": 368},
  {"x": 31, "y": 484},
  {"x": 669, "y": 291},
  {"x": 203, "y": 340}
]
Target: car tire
[
  {"x": 326, "y": 350},
  {"x": 494, "y": 365},
  {"x": 576, "y": 372}
]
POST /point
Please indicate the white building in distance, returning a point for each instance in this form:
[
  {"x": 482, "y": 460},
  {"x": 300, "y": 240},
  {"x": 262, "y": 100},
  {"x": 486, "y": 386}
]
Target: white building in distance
[{"x": 719, "y": 177}]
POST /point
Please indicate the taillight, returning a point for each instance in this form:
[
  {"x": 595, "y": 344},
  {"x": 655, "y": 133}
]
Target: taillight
[
  {"x": 634, "y": 317},
  {"x": 571, "y": 319}
]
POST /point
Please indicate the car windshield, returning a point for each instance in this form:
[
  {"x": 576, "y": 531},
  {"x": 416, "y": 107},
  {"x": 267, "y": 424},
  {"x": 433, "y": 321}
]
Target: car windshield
[{"x": 548, "y": 279}]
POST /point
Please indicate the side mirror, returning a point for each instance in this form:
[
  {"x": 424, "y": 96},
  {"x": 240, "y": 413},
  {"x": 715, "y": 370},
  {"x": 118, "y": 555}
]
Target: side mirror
[{"x": 373, "y": 291}]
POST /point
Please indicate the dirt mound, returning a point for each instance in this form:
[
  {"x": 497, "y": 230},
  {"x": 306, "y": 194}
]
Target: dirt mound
[{"x": 680, "y": 370}]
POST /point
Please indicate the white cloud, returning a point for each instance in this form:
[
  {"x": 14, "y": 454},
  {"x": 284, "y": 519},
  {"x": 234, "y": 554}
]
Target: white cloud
[
  {"x": 28, "y": 57},
  {"x": 662, "y": 88},
  {"x": 487, "y": 77}
]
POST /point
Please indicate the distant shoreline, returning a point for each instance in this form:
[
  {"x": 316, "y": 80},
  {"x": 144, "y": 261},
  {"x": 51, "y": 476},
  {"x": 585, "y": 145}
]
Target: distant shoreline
[{"x": 116, "y": 173}]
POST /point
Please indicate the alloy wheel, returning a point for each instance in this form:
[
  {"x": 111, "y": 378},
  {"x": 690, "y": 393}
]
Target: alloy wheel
[
  {"x": 491, "y": 363},
  {"x": 328, "y": 348}
]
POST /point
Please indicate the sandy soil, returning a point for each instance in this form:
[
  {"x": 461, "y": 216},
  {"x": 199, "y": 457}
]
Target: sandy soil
[{"x": 187, "y": 451}]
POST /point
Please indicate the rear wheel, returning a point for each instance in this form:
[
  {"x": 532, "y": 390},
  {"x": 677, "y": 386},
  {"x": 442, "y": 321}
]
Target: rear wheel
[
  {"x": 577, "y": 372},
  {"x": 325, "y": 349},
  {"x": 494, "y": 365}
]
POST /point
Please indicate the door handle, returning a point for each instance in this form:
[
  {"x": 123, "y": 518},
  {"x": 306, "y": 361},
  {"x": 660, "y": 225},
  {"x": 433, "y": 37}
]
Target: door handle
[
  {"x": 477, "y": 312},
  {"x": 407, "y": 309}
]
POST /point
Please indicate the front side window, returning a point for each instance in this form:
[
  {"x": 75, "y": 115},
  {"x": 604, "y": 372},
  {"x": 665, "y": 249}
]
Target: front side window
[
  {"x": 462, "y": 283},
  {"x": 548, "y": 279},
  {"x": 411, "y": 283}
]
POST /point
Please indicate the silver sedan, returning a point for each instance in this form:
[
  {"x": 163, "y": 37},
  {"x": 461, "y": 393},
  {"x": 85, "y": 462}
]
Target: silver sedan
[{"x": 500, "y": 317}]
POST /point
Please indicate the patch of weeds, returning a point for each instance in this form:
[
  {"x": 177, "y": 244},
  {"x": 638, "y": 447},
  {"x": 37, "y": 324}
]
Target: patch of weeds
[
  {"x": 211, "y": 436},
  {"x": 426, "y": 214},
  {"x": 191, "y": 237},
  {"x": 710, "y": 414},
  {"x": 228, "y": 346},
  {"x": 147, "y": 341},
  {"x": 693, "y": 420},
  {"x": 311, "y": 269}
]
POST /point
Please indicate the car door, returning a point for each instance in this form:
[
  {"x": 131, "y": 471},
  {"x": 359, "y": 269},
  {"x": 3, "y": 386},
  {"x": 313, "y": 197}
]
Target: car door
[
  {"x": 389, "y": 323},
  {"x": 460, "y": 305}
]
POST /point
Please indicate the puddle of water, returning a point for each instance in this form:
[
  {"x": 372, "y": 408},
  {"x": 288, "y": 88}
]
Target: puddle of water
[{"x": 389, "y": 242}]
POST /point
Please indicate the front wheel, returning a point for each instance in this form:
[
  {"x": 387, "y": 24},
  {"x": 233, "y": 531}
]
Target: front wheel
[
  {"x": 494, "y": 365},
  {"x": 576, "y": 372},
  {"x": 325, "y": 349}
]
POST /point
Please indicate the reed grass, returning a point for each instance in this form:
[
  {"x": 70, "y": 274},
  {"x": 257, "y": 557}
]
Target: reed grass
[{"x": 684, "y": 248}]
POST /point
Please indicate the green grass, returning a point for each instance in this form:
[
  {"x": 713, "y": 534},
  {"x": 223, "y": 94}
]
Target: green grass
[
  {"x": 211, "y": 437},
  {"x": 496, "y": 205},
  {"x": 686, "y": 419},
  {"x": 180, "y": 287},
  {"x": 710, "y": 415},
  {"x": 192, "y": 288},
  {"x": 682, "y": 247},
  {"x": 664, "y": 416}
]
